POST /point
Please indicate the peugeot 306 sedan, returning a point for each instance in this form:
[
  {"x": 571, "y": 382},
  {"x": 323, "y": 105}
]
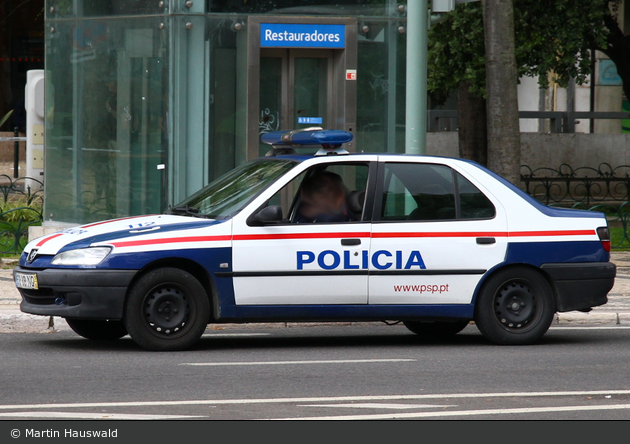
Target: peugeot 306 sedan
[{"x": 432, "y": 242}]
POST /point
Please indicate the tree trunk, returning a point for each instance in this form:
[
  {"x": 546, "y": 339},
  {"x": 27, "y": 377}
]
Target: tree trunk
[
  {"x": 504, "y": 138},
  {"x": 472, "y": 122},
  {"x": 618, "y": 50}
]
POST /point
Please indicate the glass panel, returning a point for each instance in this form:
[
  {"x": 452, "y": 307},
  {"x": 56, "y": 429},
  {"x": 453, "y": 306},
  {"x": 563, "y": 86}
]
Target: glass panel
[
  {"x": 270, "y": 97},
  {"x": 474, "y": 204},
  {"x": 310, "y": 92},
  {"x": 423, "y": 192},
  {"x": 101, "y": 8},
  {"x": 222, "y": 101},
  {"x": 336, "y": 194},
  {"x": 228, "y": 194},
  {"x": 418, "y": 192},
  {"x": 106, "y": 128},
  {"x": 381, "y": 88},
  {"x": 395, "y": 198}
]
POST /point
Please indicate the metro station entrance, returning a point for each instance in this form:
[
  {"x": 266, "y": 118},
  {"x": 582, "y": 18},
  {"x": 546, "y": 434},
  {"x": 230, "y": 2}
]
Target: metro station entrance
[
  {"x": 299, "y": 81},
  {"x": 295, "y": 88},
  {"x": 149, "y": 101}
]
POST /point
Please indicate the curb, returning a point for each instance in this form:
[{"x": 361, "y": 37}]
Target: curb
[
  {"x": 606, "y": 318},
  {"x": 14, "y": 321},
  {"x": 615, "y": 313}
]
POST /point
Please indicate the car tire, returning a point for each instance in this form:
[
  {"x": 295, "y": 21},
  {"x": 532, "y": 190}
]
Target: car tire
[
  {"x": 515, "y": 306},
  {"x": 97, "y": 330},
  {"x": 167, "y": 309},
  {"x": 435, "y": 329}
]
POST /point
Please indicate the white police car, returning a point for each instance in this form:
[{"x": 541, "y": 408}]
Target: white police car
[{"x": 432, "y": 242}]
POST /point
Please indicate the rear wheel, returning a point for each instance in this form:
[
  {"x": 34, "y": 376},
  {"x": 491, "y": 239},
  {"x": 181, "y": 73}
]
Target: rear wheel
[
  {"x": 97, "y": 330},
  {"x": 167, "y": 309},
  {"x": 515, "y": 307},
  {"x": 435, "y": 329}
]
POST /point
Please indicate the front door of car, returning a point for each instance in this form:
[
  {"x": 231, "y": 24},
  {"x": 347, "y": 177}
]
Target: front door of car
[
  {"x": 435, "y": 235},
  {"x": 306, "y": 259}
]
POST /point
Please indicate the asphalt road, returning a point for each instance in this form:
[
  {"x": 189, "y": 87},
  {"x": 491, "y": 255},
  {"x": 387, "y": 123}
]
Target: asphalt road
[{"x": 368, "y": 372}]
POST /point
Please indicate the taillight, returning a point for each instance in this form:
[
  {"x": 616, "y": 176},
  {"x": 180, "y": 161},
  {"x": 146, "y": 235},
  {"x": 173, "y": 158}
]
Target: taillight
[{"x": 604, "y": 237}]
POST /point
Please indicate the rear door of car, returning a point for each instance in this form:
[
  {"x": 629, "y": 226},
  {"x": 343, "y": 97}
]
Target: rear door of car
[{"x": 435, "y": 234}]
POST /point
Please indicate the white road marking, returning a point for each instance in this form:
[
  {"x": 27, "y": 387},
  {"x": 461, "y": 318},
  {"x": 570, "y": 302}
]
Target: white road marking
[
  {"x": 229, "y": 335},
  {"x": 70, "y": 415},
  {"x": 575, "y": 408},
  {"x": 376, "y": 405},
  {"x": 340, "y": 361},
  {"x": 615, "y": 327},
  {"x": 316, "y": 399}
]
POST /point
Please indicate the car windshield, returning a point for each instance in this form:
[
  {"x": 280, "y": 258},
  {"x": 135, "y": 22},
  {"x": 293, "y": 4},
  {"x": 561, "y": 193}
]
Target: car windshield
[{"x": 227, "y": 195}]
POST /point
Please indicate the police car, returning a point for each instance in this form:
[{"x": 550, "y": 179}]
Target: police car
[{"x": 432, "y": 242}]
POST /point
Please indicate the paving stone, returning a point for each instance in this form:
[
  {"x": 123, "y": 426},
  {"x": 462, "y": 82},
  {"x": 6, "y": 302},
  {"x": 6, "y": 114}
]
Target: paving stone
[{"x": 615, "y": 312}]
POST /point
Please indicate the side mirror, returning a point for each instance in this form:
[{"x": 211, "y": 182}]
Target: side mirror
[{"x": 266, "y": 216}]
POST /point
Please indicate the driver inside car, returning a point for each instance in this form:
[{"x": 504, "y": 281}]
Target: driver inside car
[{"x": 323, "y": 199}]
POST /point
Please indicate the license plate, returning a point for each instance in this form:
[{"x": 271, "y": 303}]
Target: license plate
[{"x": 26, "y": 281}]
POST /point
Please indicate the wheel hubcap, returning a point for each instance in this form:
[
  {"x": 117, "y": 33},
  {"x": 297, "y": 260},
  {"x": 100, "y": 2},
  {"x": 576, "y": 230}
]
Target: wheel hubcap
[
  {"x": 167, "y": 310},
  {"x": 515, "y": 305}
]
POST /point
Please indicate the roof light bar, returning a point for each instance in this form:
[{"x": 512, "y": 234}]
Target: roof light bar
[{"x": 284, "y": 142}]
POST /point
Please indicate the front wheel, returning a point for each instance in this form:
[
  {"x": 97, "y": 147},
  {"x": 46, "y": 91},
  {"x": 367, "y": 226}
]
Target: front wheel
[
  {"x": 97, "y": 330},
  {"x": 167, "y": 309},
  {"x": 515, "y": 307}
]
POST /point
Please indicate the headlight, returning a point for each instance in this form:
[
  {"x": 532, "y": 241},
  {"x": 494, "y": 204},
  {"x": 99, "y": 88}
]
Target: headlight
[{"x": 82, "y": 256}]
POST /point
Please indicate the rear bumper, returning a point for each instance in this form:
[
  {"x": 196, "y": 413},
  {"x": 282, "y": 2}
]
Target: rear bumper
[
  {"x": 581, "y": 286},
  {"x": 77, "y": 293}
]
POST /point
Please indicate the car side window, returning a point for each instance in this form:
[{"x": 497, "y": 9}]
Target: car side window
[
  {"x": 473, "y": 203},
  {"x": 430, "y": 192},
  {"x": 333, "y": 193}
]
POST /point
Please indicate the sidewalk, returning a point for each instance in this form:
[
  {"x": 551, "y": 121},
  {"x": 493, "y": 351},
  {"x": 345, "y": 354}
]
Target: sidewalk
[{"x": 615, "y": 312}]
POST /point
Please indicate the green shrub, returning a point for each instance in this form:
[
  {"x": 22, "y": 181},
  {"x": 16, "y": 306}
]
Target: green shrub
[{"x": 20, "y": 210}]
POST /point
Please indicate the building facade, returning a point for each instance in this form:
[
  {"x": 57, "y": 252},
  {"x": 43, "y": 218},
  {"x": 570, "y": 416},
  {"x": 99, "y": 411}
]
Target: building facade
[
  {"x": 149, "y": 100},
  {"x": 21, "y": 50}
]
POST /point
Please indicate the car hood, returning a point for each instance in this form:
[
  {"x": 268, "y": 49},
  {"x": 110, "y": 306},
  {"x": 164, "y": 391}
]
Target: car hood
[{"x": 123, "y": 232}]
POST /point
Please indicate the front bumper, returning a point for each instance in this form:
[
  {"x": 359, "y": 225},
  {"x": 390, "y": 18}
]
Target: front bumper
[
  {"x": 77, "y": 293},
  {"x": 581, "y": 286}
]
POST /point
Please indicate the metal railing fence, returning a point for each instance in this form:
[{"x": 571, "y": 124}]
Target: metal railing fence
[
  {"x": 605, "y": 189},
  {"x": 559, "y": 121}
]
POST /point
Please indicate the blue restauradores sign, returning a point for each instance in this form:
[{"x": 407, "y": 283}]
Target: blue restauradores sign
[{"x": 291, "y": 35}]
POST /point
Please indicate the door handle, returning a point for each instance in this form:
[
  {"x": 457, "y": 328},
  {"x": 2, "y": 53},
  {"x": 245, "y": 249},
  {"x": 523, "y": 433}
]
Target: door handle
[
  {"x": 486, "y": 240},
  {"x": 350, "y": 241}
]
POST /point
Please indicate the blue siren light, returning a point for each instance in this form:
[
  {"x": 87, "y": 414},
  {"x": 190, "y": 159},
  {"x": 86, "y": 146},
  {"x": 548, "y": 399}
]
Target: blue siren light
[{"x": 329, "y": 140}]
